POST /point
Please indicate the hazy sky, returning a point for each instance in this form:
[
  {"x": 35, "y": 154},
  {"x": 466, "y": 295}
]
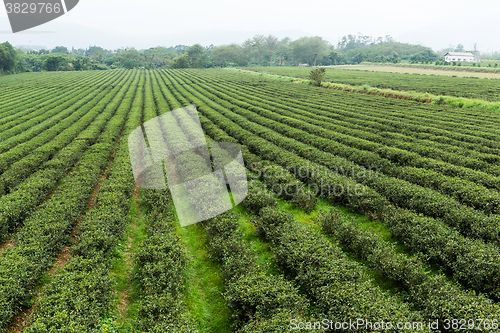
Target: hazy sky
[{"x": 330, "y": 19}]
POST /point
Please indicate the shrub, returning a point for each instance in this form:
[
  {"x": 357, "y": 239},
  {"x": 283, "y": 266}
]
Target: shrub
[
  {"x": 316, "y": 76},
  {"x": 258, "y": 197}
]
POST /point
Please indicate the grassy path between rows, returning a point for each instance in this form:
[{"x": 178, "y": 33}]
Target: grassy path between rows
[
  {"x": 256, "y": 243},
  {"x": 376, "y": 227},
  {"x": 127, "y": 299},
  {"x": 204, "y": 283}
]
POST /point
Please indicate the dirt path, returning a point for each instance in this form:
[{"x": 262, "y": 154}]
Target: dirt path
[
  {"x": 420, "y": 70},
  {"x": 6, "y": 245}
]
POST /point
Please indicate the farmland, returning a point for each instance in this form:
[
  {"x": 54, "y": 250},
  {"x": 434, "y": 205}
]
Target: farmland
[
  {"x": 467, "y": 87},
  {"x": 394, "y": 213},
  {"x": 425, "y": 70}
]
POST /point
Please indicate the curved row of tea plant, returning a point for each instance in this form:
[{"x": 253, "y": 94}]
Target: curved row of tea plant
[
  {"x": 468, "y": 267},
  {"x": 286, "y": 107},
  {"x": 36, "y": 94},
  {"x": 245, "y": 280},
  {"x": 28, "y": 79},
  {"x": 80, "y": 295},
  {"x": 428, "y": 236},
  {"x": 437, "y": 85},
  {"x": 161, "y": 263},
  {"x": 401, "y": 157},
  {"x": 48, "y": 227},
  {"x": 259, "y": 302},
  {"x": 469, "y": 221},
  {"x": 338, "y": 286},
  {"x": 342, "y": 145},
  {"x": 391, "y": 109},
  {"x": 366, "y": 200},
  {"x": 26, "y": 127},
  {"x": 235, "y": 259},
  {"x": 24, "y": 106},
  {"x": 26, "y": 158},
  {"x": 362, "y": 108},
  {"x": 15, "y": 206},
  {"x": 434, "y": 295}
]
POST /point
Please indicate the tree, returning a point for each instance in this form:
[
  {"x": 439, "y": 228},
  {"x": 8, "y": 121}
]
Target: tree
[
  {"x": 460, "y": 48},
  {"x": 96, "y": 53},
  {"x": 271, "y": 45},
  {"x": 246, "y": 50},
  {"x": 350, "y": 42},
  {"x": 157, "y": 57},
  {"x": 316, "y": 75},
  {"x": 78, "y": 52},
  {"x": 8, "y": 58},
  {"x": 309, "y": 49},
  {"x": 54, "y": 63},
  {"x": 180, "y": 49},
  {"x": 333, "y": 57},
  {"x": 224, "y": 54},
  {"x": 258, "y": 45},
  {"x": 30, "y": 62},
  {"x": 181, "y": 61},
  {"x": 197, "y": 56},
  {"x": 283, "y": 50},
  {"x": 394, "y": 57},
  {"x": 60, "y": 49},
  {"x": 389, "y": 39},
  {"x": 81, "y": 63},
  {"x": 209, "y": 49},
  {"x": 358, "y": 58},
  {"x": 129, "y": 58}
]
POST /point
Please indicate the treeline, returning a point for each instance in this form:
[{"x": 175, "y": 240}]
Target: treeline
[{"x": 257, "y": 51}]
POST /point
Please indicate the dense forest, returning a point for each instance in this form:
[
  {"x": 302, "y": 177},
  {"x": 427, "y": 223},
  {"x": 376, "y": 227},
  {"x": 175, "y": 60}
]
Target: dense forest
[{"x": 257, "y": 51}]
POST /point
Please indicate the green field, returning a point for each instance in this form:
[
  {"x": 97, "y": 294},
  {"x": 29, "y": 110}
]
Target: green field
[
  {"x": 467, "y": 87},
  {"x": 394, "y": 212}
]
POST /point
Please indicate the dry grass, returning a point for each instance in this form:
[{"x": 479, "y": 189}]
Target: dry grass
[{"x": 423, "y": 71}]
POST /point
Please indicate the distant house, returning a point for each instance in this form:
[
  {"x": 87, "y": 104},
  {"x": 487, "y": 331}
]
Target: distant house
[
  {"x": 303, "y": 64},
  {"x": 459, "y": 57}
]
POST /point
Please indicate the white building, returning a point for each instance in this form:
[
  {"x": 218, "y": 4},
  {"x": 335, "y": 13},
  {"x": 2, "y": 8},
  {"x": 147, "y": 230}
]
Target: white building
[{"x": 459, "y": 57}]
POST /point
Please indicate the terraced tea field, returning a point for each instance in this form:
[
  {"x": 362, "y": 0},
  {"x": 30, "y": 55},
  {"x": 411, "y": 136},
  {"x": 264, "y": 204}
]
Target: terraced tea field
[{"x": 391, "y": 210}]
